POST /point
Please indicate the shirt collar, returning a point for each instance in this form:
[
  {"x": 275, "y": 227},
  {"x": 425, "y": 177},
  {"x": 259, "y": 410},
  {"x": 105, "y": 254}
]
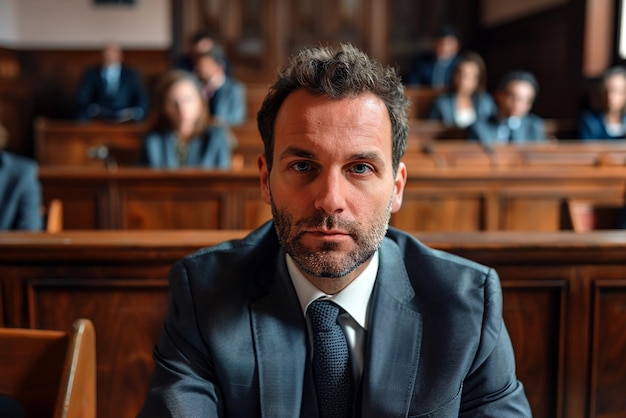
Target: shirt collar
[{"x": 354, "y": 298}]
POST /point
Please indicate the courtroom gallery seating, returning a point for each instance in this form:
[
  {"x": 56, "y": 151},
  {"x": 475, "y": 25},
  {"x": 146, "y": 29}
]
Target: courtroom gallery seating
[{"x": 50, "y": 373}]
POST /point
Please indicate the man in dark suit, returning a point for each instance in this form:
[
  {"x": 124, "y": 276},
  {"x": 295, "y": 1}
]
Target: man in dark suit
[
  {"x": 435, "y": 70},
  {"x": 412, "y": 331},
  {"x": 111, "y": 91},
  {"x": 20, "y": 191},
  {"x": 514, "y": 123}
]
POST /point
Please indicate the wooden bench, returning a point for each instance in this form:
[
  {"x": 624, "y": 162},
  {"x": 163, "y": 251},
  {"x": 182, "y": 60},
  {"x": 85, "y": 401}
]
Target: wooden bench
[
  {"x": 50, "y": 373},
  {"x": 435, "y": 199}
]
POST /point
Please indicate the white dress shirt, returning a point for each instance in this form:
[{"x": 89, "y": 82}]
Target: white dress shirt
[{"x": 353, "y": 299}]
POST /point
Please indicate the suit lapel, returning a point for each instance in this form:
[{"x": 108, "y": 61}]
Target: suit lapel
[
  {"x": 393, "y": 341},
  {"x": 279, "y": 332}
]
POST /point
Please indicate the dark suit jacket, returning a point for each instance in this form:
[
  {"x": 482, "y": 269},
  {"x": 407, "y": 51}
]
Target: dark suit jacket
[
  {"x": 92, "y": 90},
  {"x": 209, "y": 150},
  {"x": 591, "y": 126},
  {"x": 531, "y": 129},
  {"x": 20, "y": 193},
  {"x": 423, "y": 69},
  {"x": 444, "y": 107},
  {"x": 228, "y": 103},
  {"x": 235, "y": 343}
]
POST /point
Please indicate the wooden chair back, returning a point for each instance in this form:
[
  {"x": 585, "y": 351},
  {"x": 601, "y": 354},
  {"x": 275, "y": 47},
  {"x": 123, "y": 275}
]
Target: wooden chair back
[
  {"x": 53, "y": 216},
  {"x": 589, "y": 216},
  {"x": 50, "y": 373}
]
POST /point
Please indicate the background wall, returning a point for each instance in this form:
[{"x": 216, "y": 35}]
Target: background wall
[
  {"x": 80, "y": 24},
  {"x": 8, "y": 31}
]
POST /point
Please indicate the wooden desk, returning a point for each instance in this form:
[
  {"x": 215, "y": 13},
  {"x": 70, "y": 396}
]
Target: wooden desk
[
  {"x": 564, "y": 305},
  {"x": 71, "y": 143}
]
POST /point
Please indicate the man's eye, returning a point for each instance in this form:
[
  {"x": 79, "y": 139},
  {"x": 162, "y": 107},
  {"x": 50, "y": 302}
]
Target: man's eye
[
  {"x": 301, "y": 166},
  {"x": 361, "y": 168}
]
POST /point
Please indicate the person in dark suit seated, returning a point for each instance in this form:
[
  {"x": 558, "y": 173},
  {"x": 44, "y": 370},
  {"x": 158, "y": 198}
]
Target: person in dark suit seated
[
  {"x": 225, "y": 96},
  {"x": 180, "y": 134},
  {"x": 20, "y": 191},
  {"x": 608, "y": 119},
  {"x": 326, "y": 311},
  {"x": 514, "y": 122},
  {"x": 111, "y": 91},
  {"x": 435, "y": 70},
  {"x": 466, "y": 101}
]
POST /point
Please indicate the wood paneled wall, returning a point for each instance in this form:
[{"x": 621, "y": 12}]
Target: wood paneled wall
[{"x": 564, "y": 305}]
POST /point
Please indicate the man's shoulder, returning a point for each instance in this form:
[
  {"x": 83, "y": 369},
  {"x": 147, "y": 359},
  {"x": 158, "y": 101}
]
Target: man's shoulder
[
  {"x": 414, "y": 249},
  {"x": 258, "y": 246},
  {"x": 231, "y": 83},
  {"x": 17, "y": 163}
]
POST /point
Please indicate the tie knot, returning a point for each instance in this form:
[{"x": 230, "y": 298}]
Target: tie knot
[{"x": 323, "y": 315}]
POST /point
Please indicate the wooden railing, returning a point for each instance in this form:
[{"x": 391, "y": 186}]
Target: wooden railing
[
  {"x": 435, "y": 199},
  {"x": 564, "y": 305}
]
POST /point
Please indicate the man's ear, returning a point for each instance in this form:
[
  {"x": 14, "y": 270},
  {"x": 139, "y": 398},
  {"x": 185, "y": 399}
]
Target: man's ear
[
  {"x": 265, "y": 178},
  {"x": 398, "y": 192}
]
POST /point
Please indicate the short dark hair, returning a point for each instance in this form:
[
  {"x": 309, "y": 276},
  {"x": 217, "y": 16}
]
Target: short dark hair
[
  {"x": 445, "y": 31},
  {"x": 613, "y": 71},
  {"x": 337, "y": 73},
  {"x": 217, "y": 54},
  {"x": 519, "y": 75}
]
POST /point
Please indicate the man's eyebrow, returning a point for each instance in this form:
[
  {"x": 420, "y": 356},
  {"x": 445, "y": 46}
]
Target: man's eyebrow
[
  {"x": 295, "y": 152},
  {"x": 367, "y": 156}
]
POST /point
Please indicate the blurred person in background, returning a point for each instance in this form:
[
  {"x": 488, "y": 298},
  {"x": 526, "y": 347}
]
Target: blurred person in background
[
  {"x": 20, "y": 191},
  {"x": 225, "y": 96},
  {"x": 435, "y": 70},
  {"x": 607, "y": 119},
  {"x": 200, "y": 43},
  {"x": 466, "y": 101},
  {"x": 514, "y": 123},
  {"x": 180, "y": 133},
  {"x": 111, "y": 91}
]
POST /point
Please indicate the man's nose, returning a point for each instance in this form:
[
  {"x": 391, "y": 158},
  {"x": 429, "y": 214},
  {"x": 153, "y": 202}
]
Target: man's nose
[{"x": 330, "y": 192}]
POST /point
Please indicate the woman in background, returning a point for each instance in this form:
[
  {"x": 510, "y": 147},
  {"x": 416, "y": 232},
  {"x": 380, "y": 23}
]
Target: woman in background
[
  {"x": 180, "y": 134},
  {"x": 608, "y": 120},
  {"x": 467, "y": 101}
]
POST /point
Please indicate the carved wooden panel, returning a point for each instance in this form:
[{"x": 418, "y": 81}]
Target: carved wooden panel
[
  {"x": 169, "y": 208},
  {"x": 533, "y": 313},
  {"x": 453, "y": 211},
  {"x": 608, "y": 365}
]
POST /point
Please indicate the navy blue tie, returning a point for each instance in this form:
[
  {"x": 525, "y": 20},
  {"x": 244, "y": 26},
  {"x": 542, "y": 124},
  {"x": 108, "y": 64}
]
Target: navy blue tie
[{"x": 331, "y": 362}]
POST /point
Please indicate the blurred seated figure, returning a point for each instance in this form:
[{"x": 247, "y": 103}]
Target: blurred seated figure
[
  {"x": 111, "y": 91},
  {"x": 20, "y": 191},
  {"x": 180, "y": 134},
  {"x": 200, "y": 43},
  {"x": 607, "y": 120},
  {"x": 466, "y": 101},
  {"x": 514, "y": 122},
  {"x": 10, "y": 408},
  {"x": 226, "y": 97},
  {"x": 435, "y": 70}
]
